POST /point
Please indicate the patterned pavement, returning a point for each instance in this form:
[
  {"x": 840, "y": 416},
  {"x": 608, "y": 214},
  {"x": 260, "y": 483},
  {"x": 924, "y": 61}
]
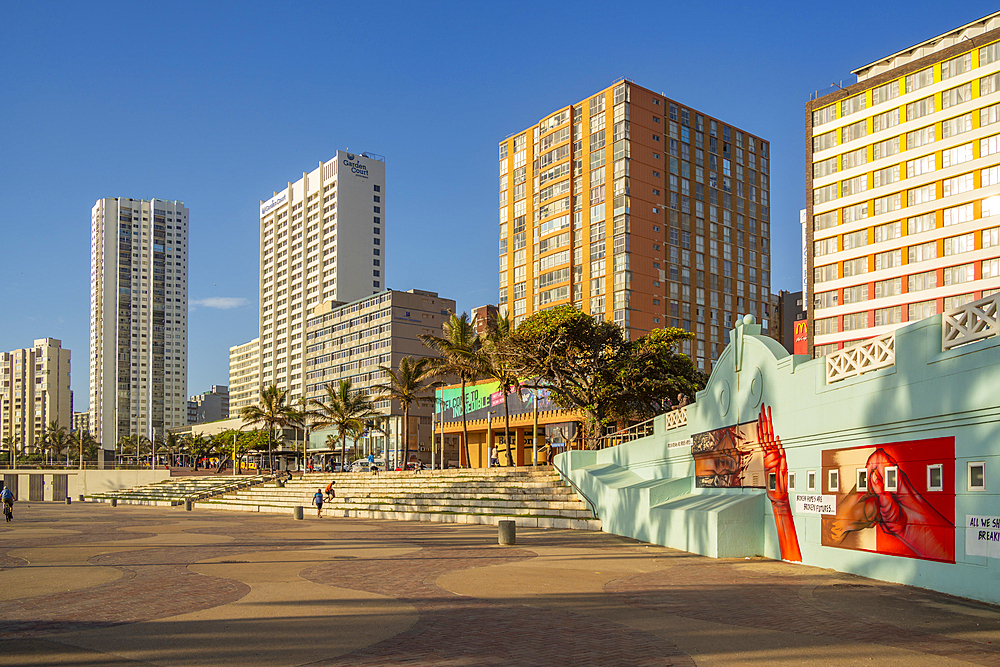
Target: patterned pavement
[{"x": 89, "y": 584}]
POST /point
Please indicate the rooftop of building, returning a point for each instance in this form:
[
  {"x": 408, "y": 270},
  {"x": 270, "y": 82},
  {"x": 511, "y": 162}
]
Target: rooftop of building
[
  {"x": 969, "y": 32},
  {"x": 333, "y": 309}
]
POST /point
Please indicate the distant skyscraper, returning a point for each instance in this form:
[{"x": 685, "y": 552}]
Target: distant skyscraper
[
  {"x": 35, "y": 392},
  {"x": 138, "y": 318},
  {"x": 244, "y": 376},
  {"x": 322, "y": 238}
]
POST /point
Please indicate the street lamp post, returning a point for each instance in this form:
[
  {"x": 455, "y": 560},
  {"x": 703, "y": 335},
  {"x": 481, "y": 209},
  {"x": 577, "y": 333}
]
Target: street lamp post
[{"x": 489, "y": 438}]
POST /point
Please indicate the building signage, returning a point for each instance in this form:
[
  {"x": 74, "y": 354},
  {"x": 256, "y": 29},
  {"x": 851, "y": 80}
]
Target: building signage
[
  {"x": 982, "y": 535},
  {"x": 687, "y": 442},
  {"x": 273, "y": 203},
  {"x": 356, "y": 166},
  {"x": 800, "y": 337},
  {"x": 815, "y": 504},
  {"x": 805, "y": 259}
]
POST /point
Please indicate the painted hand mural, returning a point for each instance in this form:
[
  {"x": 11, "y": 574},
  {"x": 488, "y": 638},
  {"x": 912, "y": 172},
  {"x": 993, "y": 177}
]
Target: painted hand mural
[
  {"x": 884, "y": 511},
  {"x": 777, "y": 493},
  {"x": 744, "y": 456}
]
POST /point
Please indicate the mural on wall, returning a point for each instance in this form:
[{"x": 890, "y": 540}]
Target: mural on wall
[
  {"x": 749, "y": 455},
  {"x": 896, "y": 499}
]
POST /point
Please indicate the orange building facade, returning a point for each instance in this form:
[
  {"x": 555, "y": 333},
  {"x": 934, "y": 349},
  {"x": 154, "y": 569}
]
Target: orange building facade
[{"x": 633, "y": 207}]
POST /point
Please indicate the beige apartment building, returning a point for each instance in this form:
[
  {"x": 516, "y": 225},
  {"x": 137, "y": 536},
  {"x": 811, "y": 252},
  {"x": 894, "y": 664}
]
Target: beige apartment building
[
  {"x": 81, "y": 422},
  {"x": 35, "y": 392},
  {"x": 352, "y": 340},
  {"x": 636, "y": 208},
  {"x": 904, "y": 188},
  {"x": 138, "y": 318},
  {"x": 244, "y": 376},
  {"x": 322, "y": 238}
]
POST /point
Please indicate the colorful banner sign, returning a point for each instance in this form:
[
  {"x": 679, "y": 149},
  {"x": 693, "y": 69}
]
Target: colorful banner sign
[{"x": 484, "y": 397}]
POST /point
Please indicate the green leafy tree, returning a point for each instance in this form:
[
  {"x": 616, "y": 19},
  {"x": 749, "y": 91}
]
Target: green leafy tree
[
  {"x": 495, "y": 364},
  {"x": 273, "y": 411},
  {"x": 408, "y": 384},
  {"x": 589, "y": 365},
  {"x": 345, "y": 409},
  {"x": 459, "y": 349}
]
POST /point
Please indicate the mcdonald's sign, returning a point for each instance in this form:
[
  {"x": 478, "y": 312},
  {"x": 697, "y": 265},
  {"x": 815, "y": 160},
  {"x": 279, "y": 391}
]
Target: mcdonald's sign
[{"x": 801, "y": 337}]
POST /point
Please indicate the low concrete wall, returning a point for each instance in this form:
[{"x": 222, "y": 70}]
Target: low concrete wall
[
  {"x": 83, "y": 481},
  {"x": 931, "y": 411}
]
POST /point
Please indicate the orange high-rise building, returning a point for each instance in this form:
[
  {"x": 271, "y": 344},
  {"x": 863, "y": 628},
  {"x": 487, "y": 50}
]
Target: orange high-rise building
[{"x": 633, "y": 207}]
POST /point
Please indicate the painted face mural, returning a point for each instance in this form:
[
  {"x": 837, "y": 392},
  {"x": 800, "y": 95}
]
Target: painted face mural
[
  {"x": 728, "y": 458},
  {"x": 896, "y": 499},
  {"x": 749, "y": 455}
]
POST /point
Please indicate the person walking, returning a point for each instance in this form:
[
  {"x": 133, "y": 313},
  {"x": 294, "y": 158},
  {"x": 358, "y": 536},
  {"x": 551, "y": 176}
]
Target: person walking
[
  {"x": 8, "y": 502},
  {"x": 329, "y": 492},
  {"x": 371, "y": 464},
  {"x": 318, "y": 502}
]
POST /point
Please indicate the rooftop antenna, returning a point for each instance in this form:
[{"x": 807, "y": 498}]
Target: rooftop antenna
[{"x": 839, "y": 85}]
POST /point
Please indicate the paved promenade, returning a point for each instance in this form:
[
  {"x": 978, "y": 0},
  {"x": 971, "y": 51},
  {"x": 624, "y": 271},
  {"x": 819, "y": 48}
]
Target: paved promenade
[{"x": 93, "y": 585}]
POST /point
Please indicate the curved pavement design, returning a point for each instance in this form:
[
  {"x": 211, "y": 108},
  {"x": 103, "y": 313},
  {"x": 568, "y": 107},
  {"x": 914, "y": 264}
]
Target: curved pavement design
[{"x": 88, "y": 584}]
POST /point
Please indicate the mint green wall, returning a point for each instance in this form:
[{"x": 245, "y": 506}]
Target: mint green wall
[{"x": 645, "y": 489}]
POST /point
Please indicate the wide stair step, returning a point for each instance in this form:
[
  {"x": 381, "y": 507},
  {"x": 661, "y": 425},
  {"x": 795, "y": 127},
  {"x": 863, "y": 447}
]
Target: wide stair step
[{"x": 531, "y": 497}]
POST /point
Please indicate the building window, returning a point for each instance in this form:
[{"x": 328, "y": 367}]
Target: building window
[
  {"x": 833, "y": 481},
  {"x": 935, "y": 477},
  {"x": 977, "y": 476},
  {"x": 862, "y": 481},
  {"x": 378, "y": 188},
  {"x": 891, "y": 478}
]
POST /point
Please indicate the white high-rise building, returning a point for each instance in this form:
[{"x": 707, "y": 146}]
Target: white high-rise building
[
  {"x": 322, "y": 238},
  {"x": 138, "y": 318}
]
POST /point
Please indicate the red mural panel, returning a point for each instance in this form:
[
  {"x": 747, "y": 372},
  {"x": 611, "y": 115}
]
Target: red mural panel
[{"x": 896, "y": 499}]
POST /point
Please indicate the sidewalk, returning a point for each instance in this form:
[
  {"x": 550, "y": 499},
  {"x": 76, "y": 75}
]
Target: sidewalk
[{"x": 94, "y": 585}]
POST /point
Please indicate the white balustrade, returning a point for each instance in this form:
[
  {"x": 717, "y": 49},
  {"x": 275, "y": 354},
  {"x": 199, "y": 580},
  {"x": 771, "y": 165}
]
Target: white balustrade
[
  {"x": 676, "y": 418},
  {"x": 971, "y": 322},
  {"x": 864, "y": 357}
]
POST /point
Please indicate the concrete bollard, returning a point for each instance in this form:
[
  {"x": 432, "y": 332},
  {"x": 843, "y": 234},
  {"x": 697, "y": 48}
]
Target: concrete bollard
[
  {"x": 114, "y": 502},
  {"x": 81, "y": 498},
  {"x": 69, "y": 500},
  {"x": 188, "y": 505},
  {"x": 297, "y": 512},
  {"x": 506, "y": 533}
]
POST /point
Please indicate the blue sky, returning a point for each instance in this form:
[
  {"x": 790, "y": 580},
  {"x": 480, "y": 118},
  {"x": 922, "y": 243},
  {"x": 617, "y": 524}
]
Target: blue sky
[{"x": 219, "y": 104}]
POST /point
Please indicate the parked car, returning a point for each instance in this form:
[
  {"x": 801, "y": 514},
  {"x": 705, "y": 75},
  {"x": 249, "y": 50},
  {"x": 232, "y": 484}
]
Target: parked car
[{"x": 362, "y": 465}]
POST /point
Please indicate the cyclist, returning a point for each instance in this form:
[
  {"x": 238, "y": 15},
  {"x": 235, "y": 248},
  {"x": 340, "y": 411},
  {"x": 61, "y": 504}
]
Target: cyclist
[{"x": 8, "y": 502}]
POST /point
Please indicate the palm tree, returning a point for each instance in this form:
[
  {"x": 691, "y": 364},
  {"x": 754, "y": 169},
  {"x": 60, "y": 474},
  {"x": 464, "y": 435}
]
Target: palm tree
[
  {"x": 55, "y": 440},
  {"x": 273, "y": 411},
  {"x": 495, "y": 365},
  {"x": 407, "y": 385},
  {"x": 172, "y": 445},
  {"x": 346, "y": 409},
  {"x": 460, "y": 353},
  {"x": 123, "y": 442}
]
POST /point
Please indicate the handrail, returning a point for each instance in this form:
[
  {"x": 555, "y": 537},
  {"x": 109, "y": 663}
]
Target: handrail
[{"x": 593, "y": 507}]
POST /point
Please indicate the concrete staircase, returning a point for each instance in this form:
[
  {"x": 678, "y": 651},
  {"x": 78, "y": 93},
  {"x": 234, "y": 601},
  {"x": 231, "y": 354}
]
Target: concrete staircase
[
  {"x": 532, "y": 497},
  {"x": 176, "y": 490}
]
